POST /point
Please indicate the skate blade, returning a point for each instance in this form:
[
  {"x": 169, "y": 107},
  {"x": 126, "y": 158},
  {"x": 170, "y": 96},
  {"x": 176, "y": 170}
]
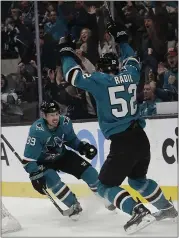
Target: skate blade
[
  {"x": 147, "y": 220},
  {"x": 158, "y": 219},
  {"x": 167, "y": 219}
]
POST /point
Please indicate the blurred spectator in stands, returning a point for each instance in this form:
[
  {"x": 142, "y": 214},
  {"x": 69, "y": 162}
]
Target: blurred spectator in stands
[
  {"x": 28, "y": 71},
  {"x": 86, "y": 44},
  {"x": 148, "y": 107},
  {"x": 4, "y": 84},
  {"x": 171, "y": 75},
  {"x": 27, "y": 9},
  {"x": 56, "y": 26},
  {"x": 108, "y": 44},
  {"x": 167, "y": 79},
  {"x": 8, "y": 49},
  {"x": 150, "y": 74},
  {"x": 28, "y": 75},
  {"x": 47, "y": 49},
  {"x": 84, "y": 36},
  {"x": 88, "y": 68},
  {"x": 71, "y": 100},
  {"x": 16, "y": 13},
  {"x": 168, "y": 73},
  {"x": 46, "y": 17},
  {"x": 152, "y": 45},
  {"x": 19, "y": 37},
  {"x": 9, "y": 102},
  {"x": 88, "y": 41},
  {"x": 76, "y": 16}
]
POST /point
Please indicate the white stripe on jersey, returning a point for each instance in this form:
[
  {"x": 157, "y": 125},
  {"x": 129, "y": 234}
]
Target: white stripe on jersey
[
  {"x": 74, "y": 77},
  {"x": 67, "y": 74}
]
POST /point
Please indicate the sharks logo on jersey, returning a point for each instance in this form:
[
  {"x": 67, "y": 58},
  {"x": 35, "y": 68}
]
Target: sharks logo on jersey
[
  {"x": 59, "y": 142},
  {"x": 39, "y": 127},
  {"x": 54, "y": 144},
  {"x": 66, "y": 120}
]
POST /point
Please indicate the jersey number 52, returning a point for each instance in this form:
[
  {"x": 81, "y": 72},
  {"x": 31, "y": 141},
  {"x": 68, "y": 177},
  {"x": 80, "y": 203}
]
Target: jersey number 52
[{"x": 123, "y": 106}]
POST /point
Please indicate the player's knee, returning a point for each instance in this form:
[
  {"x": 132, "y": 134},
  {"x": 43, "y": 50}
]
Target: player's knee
[
  {"x": 138, "y": 184},
  {"x": 90, "y": 176}
]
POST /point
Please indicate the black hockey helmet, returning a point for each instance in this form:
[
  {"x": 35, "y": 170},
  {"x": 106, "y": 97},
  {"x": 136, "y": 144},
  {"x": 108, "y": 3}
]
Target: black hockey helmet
[
  {"x": 49, "y": 107},
  {"x": 108, "y": 63}
]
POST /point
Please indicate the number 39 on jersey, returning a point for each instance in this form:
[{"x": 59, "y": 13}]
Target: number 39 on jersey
[{"x": 31, "y": 141}]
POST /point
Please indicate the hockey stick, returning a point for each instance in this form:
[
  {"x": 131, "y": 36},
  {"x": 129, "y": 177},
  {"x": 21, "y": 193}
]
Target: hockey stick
[{"x": 63, "y": 212}]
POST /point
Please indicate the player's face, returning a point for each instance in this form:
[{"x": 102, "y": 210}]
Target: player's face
[{"x": 52, "y": 119}]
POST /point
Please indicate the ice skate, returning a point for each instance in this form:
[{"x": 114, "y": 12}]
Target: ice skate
[
  {"x": 140, "y": 219},
  {"x": 169, "y": 212},
  {"x": 76, "y": 211}
]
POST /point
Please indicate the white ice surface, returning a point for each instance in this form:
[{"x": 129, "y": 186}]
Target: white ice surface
[{"x": 39, "y": 217}]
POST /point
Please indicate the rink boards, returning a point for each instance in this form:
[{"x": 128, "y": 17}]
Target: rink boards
[{"x": 163, "y": 136}]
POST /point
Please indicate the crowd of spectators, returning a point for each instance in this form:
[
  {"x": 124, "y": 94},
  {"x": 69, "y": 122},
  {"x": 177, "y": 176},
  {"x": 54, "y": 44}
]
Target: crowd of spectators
[{"x": 152, "y": 28}]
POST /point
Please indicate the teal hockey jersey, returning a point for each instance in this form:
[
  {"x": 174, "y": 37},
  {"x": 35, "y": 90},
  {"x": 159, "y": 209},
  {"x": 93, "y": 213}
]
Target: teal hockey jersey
[{"x": 115, "y": 95}]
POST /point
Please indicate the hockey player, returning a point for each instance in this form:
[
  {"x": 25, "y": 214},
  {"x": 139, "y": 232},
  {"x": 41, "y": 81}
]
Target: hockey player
[
  {"x": 46, "y": 153},
  {"x": 120, "y": 122}
]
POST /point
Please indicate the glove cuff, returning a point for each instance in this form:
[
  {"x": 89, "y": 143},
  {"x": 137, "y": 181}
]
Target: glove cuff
[{"x": 68, "y": 51}]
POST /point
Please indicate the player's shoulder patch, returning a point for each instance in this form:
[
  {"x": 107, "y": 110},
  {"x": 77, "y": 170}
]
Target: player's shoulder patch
[
  {"x": 39, "y": 127},
  {"x": 66, "y": 120}
]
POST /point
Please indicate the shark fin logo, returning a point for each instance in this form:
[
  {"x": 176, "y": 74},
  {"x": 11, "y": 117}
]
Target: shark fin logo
[
  {"x": 66, "y": 120},
  {"x": 39, "y": 127}
]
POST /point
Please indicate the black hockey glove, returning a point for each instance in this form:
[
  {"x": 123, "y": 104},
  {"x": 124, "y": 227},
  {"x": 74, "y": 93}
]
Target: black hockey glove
[
  {"x": 120, "y": 36},
  {"x": 66, "y": 47},
  {"x": 38, "y": 181},
  {"x": 88, "y": 150}
]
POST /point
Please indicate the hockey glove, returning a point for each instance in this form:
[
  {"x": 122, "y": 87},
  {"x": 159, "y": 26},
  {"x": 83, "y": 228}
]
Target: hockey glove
[
  {"x": 66, "y": 47},
  {"x": 38, "y": 181},
  {"x": 88, "y": 150},
  {"x": 119, "y": 36}
]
